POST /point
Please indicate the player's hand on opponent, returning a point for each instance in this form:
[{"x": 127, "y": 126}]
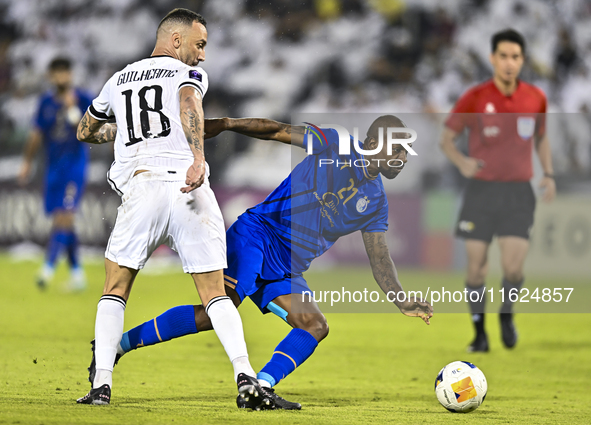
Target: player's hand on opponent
[
  {"x": 416, "y": 307},
  {"x": 549, "y": 186},
  {"x": 214, "y": 126},
  {"x": 195, "y": 175},
  {"x": 470, "y": 166}
]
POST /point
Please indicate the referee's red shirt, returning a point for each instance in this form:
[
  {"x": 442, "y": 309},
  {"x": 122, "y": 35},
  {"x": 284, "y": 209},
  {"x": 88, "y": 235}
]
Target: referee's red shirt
[{"x": 502, "y": 128}]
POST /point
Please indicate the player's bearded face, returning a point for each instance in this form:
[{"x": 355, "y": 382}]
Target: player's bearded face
[
  {"x": 507, "y": 61},
  {"x": 399, "y": 157},
  {"x": 389, "y": 165},
  {"x": 61, "y": 79},
  {"x": 192, "y": 48}
]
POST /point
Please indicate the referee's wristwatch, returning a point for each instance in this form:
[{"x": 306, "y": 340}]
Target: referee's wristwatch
[{"x": 549, "y": 175}]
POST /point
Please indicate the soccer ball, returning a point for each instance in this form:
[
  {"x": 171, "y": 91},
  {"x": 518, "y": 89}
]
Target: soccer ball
[{"x": 460, "y": 387}]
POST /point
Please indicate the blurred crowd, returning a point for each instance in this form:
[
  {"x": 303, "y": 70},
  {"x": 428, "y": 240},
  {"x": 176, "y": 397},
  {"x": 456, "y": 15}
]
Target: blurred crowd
[{"x": 270, "y": 58}]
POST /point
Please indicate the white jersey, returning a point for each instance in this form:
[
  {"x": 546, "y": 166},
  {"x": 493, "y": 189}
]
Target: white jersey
[{"x": 143, "y": 98}]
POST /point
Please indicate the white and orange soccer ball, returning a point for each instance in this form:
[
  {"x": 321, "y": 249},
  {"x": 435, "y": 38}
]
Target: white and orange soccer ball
[{"x": 460, "y": 387}]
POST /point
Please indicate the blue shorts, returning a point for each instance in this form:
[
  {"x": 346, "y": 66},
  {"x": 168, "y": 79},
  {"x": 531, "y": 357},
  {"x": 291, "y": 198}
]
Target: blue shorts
[
  {"x": 63, "y": 193},
  {"x": 252, "y": 267}
]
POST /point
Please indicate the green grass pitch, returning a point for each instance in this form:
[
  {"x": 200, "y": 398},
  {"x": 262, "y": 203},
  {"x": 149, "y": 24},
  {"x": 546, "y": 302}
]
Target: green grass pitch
[{"x": 372, "y": 368}]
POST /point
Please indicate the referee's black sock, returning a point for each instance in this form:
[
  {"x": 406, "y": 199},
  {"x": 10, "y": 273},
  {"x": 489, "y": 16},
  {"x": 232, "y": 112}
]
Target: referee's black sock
[
  {"x": 476, "y": 300},
  {"x": 510, "y": 290}
]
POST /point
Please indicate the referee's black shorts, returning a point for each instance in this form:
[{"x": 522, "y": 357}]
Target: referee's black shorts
[{"x": 496, "y": 208}]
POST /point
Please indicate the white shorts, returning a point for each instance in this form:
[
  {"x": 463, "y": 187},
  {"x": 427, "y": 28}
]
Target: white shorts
[{"x": 154, "y": 211}]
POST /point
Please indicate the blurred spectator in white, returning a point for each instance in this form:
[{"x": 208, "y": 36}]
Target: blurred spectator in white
[{"x": 272, "y": 58}]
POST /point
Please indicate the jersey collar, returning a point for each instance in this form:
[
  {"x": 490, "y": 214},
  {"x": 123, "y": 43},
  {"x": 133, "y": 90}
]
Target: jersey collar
[
  {"x": 160, "y": 56},
  {"x": 517, "y": 87}
]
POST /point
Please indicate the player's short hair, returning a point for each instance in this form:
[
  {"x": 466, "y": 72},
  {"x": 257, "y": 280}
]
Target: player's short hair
[
  {"x": 384, "y": 121},
  {"x": 60, "y": 64},
  {"x": 182, "y": 16},
  {"x": 508, "y": 34}
]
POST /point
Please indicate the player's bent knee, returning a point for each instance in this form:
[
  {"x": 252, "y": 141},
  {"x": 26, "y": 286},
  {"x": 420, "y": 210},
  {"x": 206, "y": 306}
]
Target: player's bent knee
[
  {"x": 316, "y": 324},
  {"x": 322, "y": 329}
]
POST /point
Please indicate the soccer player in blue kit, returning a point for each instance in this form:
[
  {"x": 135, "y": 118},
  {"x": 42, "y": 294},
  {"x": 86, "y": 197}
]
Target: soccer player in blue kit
[
  {"x": 54, "y": 127},
  {"x": 272, "y": 244}
]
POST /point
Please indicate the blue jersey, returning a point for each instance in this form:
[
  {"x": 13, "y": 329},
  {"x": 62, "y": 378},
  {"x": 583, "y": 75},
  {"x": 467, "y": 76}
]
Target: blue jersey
[
  {"x": 319, "y": 202},
  {"x": 66, "y": 156}
]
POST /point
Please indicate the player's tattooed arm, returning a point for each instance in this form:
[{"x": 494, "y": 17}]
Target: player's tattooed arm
[
  {"x": 193, "y": 126},
  {"x": 386, "y": 276},
  {"x": 192, "y": 117},
  {"x": 106, "y": 133},
  {"x": 91, "y": 130},
  {"x": 382, "y": 266},
  {"x": 259, "y": 128}
]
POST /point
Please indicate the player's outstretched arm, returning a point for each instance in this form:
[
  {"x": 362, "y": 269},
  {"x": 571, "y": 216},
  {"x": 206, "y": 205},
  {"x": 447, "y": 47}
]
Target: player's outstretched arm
[
  {"x": 384, "y": 272},
  {"x": 259, "y": 128},
  {"x": 91, "y": 130},
  {"x": 193, "y": 126}
]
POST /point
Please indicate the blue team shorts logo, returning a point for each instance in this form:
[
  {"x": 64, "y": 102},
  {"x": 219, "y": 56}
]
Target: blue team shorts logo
[
  {"x": 195, "y": 75},
  {"x": 526, "y": 127}
]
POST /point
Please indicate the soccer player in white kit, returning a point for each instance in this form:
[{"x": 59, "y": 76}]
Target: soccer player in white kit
[{"x": 161, "y": 174}]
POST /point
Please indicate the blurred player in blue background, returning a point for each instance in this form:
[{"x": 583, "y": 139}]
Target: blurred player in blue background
[{"x": 54, "y": 127}]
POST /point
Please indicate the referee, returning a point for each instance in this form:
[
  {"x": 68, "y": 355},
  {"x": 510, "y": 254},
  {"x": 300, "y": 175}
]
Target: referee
[{"x": 505, "y": 118}]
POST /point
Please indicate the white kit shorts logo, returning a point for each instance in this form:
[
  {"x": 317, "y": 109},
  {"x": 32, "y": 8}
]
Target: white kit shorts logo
[{"x": 466, "y": 226}]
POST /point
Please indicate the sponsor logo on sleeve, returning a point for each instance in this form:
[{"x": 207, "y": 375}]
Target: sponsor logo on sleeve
[{"x": 195, "y": 75}]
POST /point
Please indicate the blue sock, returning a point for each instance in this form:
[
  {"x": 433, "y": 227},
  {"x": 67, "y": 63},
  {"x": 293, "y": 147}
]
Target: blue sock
[
  {"x": 295, "y": 348},
  {"x": 72, "y": 248},
  {"x": 173, "y": 323},
  {"x": 58, "y": 239}
]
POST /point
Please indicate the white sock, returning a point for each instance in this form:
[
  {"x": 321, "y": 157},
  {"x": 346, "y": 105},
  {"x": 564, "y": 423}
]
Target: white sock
[
  {"x": 107, "y": 334},
  {"x": 264, "y": 383},
  {"x": 46, "y": 272},
  {"x": 227, "y": 324},
  {"x": 242, "y": 365},
  {"x": 77, "y": 278},
  {"x": 103, "y": 377}
]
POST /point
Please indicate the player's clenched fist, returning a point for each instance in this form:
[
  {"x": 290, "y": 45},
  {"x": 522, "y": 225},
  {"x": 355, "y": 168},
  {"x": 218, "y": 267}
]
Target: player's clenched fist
[{"x": 195, "y": 175}]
